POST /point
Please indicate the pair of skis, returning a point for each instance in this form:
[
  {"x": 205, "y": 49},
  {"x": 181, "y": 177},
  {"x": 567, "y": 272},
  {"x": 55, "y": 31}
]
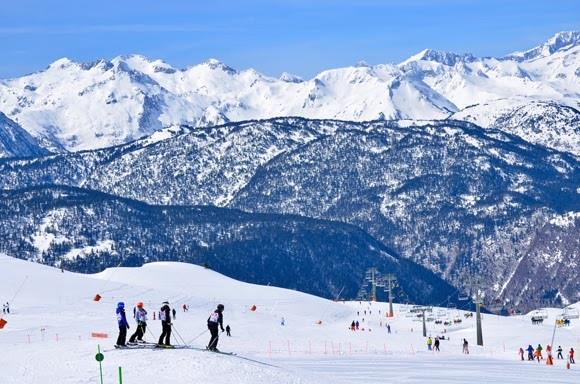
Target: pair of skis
[{"x": 158, "y": 347}]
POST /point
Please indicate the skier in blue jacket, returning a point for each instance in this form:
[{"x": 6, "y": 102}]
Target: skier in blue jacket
[{"x": 123, "y": 325}]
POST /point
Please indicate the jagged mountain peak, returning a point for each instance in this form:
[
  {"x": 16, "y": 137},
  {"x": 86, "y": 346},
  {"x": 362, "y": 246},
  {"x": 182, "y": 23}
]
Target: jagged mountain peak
[
  {"x": 217, "y": 64},
  {"x": 290, "y": 78},
  {"x": 442, "y": 57},
  {"x": 560, "y": 41}
]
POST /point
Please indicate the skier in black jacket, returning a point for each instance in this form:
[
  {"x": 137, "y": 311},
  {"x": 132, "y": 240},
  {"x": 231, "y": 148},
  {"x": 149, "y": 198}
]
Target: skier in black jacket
[
  {"x": 213, "y": 321},
  {"x": 165, "y": 317}
]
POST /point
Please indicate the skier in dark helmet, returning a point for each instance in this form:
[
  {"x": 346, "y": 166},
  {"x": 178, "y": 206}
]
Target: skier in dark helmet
[
  {"x": 123, "y": 325},
  {"x": 165, "y": 317},
  {"x": 213, "y": 321}
]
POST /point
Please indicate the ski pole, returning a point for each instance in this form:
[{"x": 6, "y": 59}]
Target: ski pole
[
  {"x": 198, "y": 336},
  {"x": 177, "y": 333},
  {"x": 151, "y": 333}
]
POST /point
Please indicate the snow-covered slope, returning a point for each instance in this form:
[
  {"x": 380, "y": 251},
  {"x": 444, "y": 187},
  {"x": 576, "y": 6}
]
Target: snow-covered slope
[
  {"x": 48, "y": 334},
  {"x": 547, "y": 123},
  {"x": 92, "y": 105},
  {"x": 16, "y": 142}
]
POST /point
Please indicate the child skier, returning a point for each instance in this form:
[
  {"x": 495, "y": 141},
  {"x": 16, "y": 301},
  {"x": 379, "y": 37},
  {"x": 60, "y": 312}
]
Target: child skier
[
  {"x": 123, "y": 325},
  {"x": 228, "y": 330},
  {"x": 539, "y": 350},
  {"x": 141, "y": 318},
  {"x": 571, "y": 356},
  {"x": 530, "y": 350},
  {"x": 215, "y": 319},
  {"x": 165, "y": 317}
]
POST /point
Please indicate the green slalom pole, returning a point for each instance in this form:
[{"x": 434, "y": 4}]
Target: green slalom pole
[
  {"x": 120, "y": 376},
  {"x": 99, "y": 357}
]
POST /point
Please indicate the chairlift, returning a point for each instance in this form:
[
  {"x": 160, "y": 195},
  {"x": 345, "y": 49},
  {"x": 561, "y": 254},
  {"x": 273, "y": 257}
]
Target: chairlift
[
  {"x": 539, "y": 314},
  {"x": 463, "y": 297},
  {"x": 570, "y": 313}
]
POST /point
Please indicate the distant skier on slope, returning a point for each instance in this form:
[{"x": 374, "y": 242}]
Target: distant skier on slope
[
  {"x": 353, "y": 326},
  {"x": 165, "y": 317},
  {"x": 173, "y": 312},
  {"x": 228, "y": 330},
  {"x": 123, "y": 325},
  {"x": 141, "y": 318},
  {"x": 466, "y": 347},
  {"x": 215, "y": 319},
  {"x": 530, "y": 350},
  {"x": 560, "y": 356},
  {"x": 571, "y": 356},
  {"x": 539, "y": 350},
  {"x": 429, "y": 343},
  {"x": 388, "y": 328},
  {"x": 521, "y": 353},
  {"x": 437, "y": 344}
]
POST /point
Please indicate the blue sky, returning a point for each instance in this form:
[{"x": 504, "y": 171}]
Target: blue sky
[{"x": 299, "y": 36}]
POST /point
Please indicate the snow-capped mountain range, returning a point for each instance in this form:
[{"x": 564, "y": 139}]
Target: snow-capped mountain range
[{"x": 75, "y": 106}]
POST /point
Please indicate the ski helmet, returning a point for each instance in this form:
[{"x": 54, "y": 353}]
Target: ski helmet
[
  {"x": 140, "y": 304},
  {"x": 120, "y": 305},
  {"x": 220, "y": 307},
  {"x": 165, "y": 302}
]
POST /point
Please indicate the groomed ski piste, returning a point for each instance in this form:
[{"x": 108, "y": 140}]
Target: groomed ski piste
[{"x": 47, "y": 337}]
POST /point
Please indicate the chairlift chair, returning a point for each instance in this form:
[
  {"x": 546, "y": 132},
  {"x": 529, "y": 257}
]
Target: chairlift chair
[{"x": 570, "y": 313}]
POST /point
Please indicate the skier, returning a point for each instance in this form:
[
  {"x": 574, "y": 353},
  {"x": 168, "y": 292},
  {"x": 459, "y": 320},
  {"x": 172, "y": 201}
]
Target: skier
[
  {"x": 571, "y": 356},
  {"x": 539, "y": 350},
  {"x": 521, "y": 353},
  {"x": 560, "y": 357},
  {"x": 436, "y": 344},
  {"x": 184, "y": 307},
  {"x": 429, "y": 343},
  {"x": 357, "y": 324},
  {"x": 215, "y": 319},
  {"x": 165, "y": 317},
  {"x": 388, "y": 328},
  {"x": 141, "y": 318},
  {"x": 282, "y": 321},
  {"x": 466, "y": 347},
  {"x": 352, "y": 326},
  {"x": 228, "y": 329},
  {"x": 173, "y": 312},
  {"x": 123, "y": 325},
  {"x": 530, "y": 350},
  {"x": 7, "y": 308}
]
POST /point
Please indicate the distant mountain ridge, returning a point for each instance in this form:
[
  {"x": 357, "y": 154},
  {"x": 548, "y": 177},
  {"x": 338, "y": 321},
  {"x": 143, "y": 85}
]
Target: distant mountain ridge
[
  {"x": 16, "y": 142},
  {"x": 77, "y": 106},
  {"x": 456, "y": 198},
  {"x": 88, "y": 231}
]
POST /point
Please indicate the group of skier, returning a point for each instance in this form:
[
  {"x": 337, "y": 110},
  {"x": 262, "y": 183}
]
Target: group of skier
[
  {"x": 536, "y": 353},
  {"x": 166, "y": 314}
]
